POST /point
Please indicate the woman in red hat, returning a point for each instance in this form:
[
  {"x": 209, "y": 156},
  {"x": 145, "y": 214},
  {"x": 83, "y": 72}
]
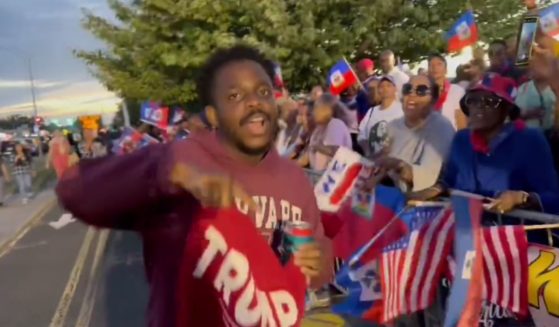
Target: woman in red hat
[{"x": 498, "y": 156}]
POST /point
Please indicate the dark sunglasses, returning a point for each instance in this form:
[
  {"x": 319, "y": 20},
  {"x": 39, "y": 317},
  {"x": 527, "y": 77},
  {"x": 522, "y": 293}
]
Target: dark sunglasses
[
  {"x": 482, "y": 101},
  {"x": 420, "y": 90}
]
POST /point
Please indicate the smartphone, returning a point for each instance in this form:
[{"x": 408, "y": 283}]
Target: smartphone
[{"x": 526, "y": 39}]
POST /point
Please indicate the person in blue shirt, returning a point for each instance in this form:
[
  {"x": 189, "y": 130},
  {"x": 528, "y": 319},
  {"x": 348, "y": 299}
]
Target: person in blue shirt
[{"x": 498, "y": 157}]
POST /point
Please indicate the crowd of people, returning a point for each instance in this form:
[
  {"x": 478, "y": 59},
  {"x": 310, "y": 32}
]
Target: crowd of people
[{"x": 489, "y": 131}]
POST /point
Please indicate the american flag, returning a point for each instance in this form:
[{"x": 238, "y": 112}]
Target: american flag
[
  {"x": 411, "y": 268},
  {"x": 505, "y": 267}
]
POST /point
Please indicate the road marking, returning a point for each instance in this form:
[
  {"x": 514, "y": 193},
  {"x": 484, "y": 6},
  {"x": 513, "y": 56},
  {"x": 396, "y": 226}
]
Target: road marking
[
  {"x": 8, "y": 245},
  {"x": 86, "y": 310},
  {"x": 64, "y": 220},
  {"x": 29, "y": 246},
  {"x": 66, "y": 299}
]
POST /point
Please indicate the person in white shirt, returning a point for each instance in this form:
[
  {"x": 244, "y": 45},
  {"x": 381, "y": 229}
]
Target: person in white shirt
[
  {"x": 373, "y": 128},
  {"x": 388, "y": 67},
  {"x": 448, "y": 103}
]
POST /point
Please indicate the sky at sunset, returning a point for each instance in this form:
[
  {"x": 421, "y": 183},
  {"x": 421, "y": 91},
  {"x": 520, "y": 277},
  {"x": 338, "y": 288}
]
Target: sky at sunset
[{"x": 46, "y": 31}]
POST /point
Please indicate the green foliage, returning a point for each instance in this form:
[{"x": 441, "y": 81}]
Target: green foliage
[{"x": 155, "y": 49}]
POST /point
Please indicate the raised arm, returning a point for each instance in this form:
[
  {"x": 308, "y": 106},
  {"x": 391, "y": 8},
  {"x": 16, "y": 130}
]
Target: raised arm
[{"x": 113, "y": 191}]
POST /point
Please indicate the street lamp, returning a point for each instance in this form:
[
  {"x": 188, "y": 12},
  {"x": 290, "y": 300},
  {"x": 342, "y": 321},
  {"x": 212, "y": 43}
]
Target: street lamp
[{"x": 27, "y": 60}]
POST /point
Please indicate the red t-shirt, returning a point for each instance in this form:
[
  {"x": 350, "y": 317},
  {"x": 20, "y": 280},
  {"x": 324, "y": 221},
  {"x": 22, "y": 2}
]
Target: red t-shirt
[{"x": 231, "y": 277}]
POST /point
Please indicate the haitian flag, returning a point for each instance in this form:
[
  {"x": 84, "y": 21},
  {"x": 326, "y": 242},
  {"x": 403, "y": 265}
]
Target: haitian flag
[
  {"x": 549, "y": 20},
  {"x": 381, "y": 228},
  {"x": 154, "y": 114},
  {"x": 278, "y": 78},
  {"x": 466, "y": 294},
  {"x": 463, "y": 33},
  {"x": 341, "y": 77},
  {"x": 362, "y": 288}
]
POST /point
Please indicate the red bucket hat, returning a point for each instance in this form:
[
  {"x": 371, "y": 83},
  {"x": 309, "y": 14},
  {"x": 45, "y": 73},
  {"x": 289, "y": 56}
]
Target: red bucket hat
[{"x": 502, "y": 87}]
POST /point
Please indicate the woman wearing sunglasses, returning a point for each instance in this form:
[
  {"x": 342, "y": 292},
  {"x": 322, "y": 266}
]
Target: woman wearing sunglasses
[
  {"x": 418, "y": 142},
  {"x": 498, "y": 156}
]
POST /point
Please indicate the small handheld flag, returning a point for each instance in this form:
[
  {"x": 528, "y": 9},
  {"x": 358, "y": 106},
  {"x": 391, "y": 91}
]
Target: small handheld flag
[
  {"x": 278, "y": 78},
  {"x": 154, "y": 114},
  {"x": 341, "y": 77},
  {"x": 464, "y": 303},
  {"x": 463, "y": 33}
]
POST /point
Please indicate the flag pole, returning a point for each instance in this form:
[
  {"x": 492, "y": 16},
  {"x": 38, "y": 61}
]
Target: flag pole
[
  {"x": 351, "y": 68},
  {"x": 539, "y": 227},
  {"x": 355, "y": 258}
]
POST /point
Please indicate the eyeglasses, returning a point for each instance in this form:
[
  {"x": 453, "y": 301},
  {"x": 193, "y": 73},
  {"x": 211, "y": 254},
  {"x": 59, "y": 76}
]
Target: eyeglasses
[
  {"x": 420, "y": 90},
  {"x": 482, "y": 101}
]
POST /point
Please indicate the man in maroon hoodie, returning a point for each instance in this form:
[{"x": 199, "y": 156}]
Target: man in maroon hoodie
[{"x": 157, "y": 190}]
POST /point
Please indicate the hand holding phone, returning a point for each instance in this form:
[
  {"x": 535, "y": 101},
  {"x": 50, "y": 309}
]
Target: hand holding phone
[{"x": 526, "y": 40}]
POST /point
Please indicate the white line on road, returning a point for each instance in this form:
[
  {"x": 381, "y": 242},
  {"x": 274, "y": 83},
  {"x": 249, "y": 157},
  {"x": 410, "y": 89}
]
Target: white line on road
[
  {"x": 86, "y": 310},
  {"x": 6, "y": 247},
  {"x": 64, "y": 304},
  {"x": 64, "y": 220}
]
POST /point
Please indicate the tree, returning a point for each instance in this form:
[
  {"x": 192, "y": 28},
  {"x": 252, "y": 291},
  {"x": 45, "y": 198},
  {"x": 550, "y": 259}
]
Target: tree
[{"x": 155, "y": 49}]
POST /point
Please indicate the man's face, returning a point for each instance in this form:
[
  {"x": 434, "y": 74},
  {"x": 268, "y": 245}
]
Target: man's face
[
  {"x": 497, "y": 55},
  {"x": 437, "y": 69},
  {"x": 245, "y": 106},
  {"x": 372, "y": 92},
  {"x": 386, "y": 62},
  {"x": 364, "y": 72},
  {"x": 530, "y": 4},
  {"x": 386, "y": 90}
]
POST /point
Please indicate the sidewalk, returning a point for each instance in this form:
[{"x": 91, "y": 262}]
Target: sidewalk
[{"x": 16, "y": 218}]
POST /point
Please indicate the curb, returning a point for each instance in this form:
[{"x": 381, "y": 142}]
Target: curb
[{"x": 8, "y": 244}]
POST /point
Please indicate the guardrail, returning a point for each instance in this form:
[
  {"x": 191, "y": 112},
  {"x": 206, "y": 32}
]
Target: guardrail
[{"x": 434, "y": 315}]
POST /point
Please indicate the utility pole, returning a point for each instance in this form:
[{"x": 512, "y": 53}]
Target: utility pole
[{"x": 32, "y": 86}]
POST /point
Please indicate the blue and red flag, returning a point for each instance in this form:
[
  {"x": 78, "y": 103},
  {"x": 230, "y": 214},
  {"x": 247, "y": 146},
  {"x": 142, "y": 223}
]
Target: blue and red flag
[
  {"x": 154, "y": 114},
  {"x": 278, "y": 77},
  {"x": 466, "y": 294},
  {"x": 549, "y": 20},
  {"x": 362, "y": 287},
  {"x": 356, "y": 230},
  {"x": 463, "y": 33},
  {"x": 341, "y": 77}
]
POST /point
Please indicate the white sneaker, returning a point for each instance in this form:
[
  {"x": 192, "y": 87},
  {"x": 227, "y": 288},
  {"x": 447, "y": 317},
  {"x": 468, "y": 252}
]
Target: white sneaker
[{"x": 24, "y": 200}]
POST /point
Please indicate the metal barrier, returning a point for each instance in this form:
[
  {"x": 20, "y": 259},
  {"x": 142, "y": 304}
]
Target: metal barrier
[{"x": 434, "y": 315}]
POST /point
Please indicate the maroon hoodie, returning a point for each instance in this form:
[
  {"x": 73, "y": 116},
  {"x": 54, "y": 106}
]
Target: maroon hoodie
[{"x": 133, "y": 192}]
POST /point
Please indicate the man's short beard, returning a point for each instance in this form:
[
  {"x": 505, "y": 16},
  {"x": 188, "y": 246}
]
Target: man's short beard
[{"x": 238, "y": 143}]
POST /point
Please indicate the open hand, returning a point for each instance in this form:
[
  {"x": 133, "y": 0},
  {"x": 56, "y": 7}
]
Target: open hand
[{"x": 212, "y": 190}]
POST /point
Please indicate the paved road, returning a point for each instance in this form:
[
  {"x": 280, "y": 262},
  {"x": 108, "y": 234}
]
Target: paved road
[
  {"x": 78, "y": 276},
  {"x": 72, "y": 276}
]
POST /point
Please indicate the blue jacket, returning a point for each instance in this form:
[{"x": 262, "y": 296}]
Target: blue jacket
[{"x": 517, "y": 160}]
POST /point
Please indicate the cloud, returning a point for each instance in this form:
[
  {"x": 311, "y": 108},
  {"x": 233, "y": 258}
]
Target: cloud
[
  {"x": 72, "y": 100},
  {"x": 46, "y": 32},
  {"x": 14, "y": 84}
]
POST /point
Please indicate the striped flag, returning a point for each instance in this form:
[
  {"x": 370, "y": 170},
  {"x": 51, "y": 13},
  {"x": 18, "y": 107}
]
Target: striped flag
[
  {"x": 411, "y": 268},
  {"x": 505, "y": 267}
]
